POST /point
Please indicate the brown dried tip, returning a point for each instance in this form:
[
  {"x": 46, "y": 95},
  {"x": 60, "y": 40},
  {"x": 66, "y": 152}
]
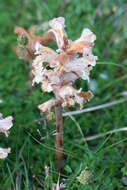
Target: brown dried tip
[
  {"x": 32, "y": 40},
  {"x": 78, "y": 47},
  {"x": 48, "y": 37},
  {"x": 22, "y": 32},
  {"x": 87, "y": 96}
]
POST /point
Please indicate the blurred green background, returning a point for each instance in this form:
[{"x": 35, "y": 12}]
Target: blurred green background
[{"x": 31, "y": 142}]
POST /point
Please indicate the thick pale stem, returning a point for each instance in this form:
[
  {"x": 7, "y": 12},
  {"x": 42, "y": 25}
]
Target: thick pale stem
[{"x": 59, "y": 137}]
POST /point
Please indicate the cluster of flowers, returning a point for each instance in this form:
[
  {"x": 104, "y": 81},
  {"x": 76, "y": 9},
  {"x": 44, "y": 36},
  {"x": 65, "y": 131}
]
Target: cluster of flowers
[
  {"x": 58, "y": 70},
  {"x": 5, "y": 125}
]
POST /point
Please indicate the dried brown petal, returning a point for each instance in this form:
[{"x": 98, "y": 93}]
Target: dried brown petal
[
  {"x": 86, "y": 95},
  {"x": 78, "y": 47},
  {"x": 86, "y": 41}
]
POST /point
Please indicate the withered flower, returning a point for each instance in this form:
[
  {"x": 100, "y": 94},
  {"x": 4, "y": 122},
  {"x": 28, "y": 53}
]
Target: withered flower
[{"x": 58, "y": 71}]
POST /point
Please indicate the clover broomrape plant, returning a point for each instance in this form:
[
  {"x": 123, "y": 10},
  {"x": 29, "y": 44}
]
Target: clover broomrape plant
[{"x": 58, "y": 70}]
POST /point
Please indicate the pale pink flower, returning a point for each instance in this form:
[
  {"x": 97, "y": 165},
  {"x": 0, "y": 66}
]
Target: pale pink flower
[
  {"x": 5, "y": 124},
  {"x": 4, "y": 152}
]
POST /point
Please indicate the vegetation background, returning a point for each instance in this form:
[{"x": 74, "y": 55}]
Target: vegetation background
[{"x": 31, "y": 142}]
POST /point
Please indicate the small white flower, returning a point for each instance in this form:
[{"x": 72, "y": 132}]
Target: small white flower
[{"x": 4, "y": 152}]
